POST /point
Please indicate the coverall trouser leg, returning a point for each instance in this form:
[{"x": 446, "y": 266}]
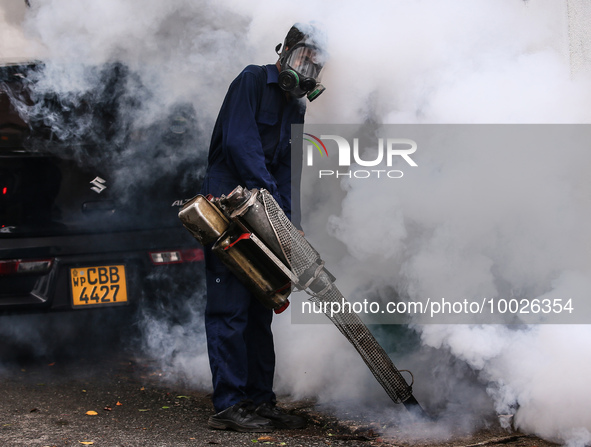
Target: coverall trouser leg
[{"x": 239, "y": 339}]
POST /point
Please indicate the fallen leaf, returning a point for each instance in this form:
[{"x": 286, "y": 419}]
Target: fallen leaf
[
  {"x": 182, "y": 397},
  {"x": 86, "y": 442},
  {"x": 267, "y": 439},
  {"x": 142, "y": 389},
  {"x": 118, "y": 404},
  {"x": 51, "y": 364},
  {"x": 144, "y": 409},
  {"x": 91, "y": 413},
  {"x": 165, "y": 407}
]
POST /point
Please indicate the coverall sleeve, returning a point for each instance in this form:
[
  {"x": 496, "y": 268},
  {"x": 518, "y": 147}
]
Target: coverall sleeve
[
  {"x": 241, "y": 142},
  {"x": 288, "y": 176}
]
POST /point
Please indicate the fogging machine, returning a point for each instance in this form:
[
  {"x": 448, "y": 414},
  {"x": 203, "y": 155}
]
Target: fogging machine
[{"x": 254, "y": 238}]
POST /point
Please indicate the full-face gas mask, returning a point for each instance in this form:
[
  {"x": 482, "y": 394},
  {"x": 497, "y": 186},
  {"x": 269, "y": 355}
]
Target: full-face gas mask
[{"x": 301, "y": 65}]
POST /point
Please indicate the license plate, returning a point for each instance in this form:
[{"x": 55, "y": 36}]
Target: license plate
[{"x": 98, "y": 286}]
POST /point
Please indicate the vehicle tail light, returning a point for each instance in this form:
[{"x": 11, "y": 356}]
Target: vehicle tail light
[
  {"x": 176, "y": 256},
  {"x": 20, "y": 266}
]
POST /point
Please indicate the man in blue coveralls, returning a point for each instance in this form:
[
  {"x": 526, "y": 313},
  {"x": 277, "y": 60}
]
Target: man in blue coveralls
[{"x": 250, "y": 146}]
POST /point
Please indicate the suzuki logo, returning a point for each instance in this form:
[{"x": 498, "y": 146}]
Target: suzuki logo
[{"x": 98, "y": 185}]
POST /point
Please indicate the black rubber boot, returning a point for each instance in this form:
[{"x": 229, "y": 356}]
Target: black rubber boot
[{"x": 279, "y": 418}]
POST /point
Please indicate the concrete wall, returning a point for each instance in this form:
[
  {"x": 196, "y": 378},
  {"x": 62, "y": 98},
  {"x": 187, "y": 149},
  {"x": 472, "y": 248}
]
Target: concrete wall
[
  {"x": 14, "y": 46},
  {"x": 579, "y": 33}
]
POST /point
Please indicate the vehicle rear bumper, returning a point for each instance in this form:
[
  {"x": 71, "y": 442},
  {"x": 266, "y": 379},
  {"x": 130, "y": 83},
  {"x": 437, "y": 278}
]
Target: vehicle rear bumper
[{"x": 52, "y": 290}]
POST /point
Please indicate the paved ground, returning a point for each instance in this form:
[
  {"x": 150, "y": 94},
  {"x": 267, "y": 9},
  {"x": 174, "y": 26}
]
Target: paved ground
[
  {"x": 48, "y": 404},
  {"x": 114, "y": 397}
]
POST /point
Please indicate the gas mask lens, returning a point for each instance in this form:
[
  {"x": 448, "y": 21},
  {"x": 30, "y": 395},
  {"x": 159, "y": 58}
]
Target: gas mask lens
[{"x": 304, "y": 61}]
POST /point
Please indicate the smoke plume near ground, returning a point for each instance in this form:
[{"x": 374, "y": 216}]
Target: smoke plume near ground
[{"x": 430, "y": 61}]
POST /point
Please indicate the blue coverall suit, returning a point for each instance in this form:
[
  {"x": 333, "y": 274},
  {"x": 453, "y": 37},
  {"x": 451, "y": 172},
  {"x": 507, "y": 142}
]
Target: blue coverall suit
[{"x": 250, "y": 146}]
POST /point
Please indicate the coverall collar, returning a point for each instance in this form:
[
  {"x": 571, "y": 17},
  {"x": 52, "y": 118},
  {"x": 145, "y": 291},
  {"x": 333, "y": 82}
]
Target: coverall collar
[{"x": 272, "y": 74}]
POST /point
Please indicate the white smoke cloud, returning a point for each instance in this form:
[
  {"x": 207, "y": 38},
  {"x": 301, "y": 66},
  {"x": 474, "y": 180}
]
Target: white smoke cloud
[
  {"x": 425, "y": 61},
  {"x": 474, "y": 224}
]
